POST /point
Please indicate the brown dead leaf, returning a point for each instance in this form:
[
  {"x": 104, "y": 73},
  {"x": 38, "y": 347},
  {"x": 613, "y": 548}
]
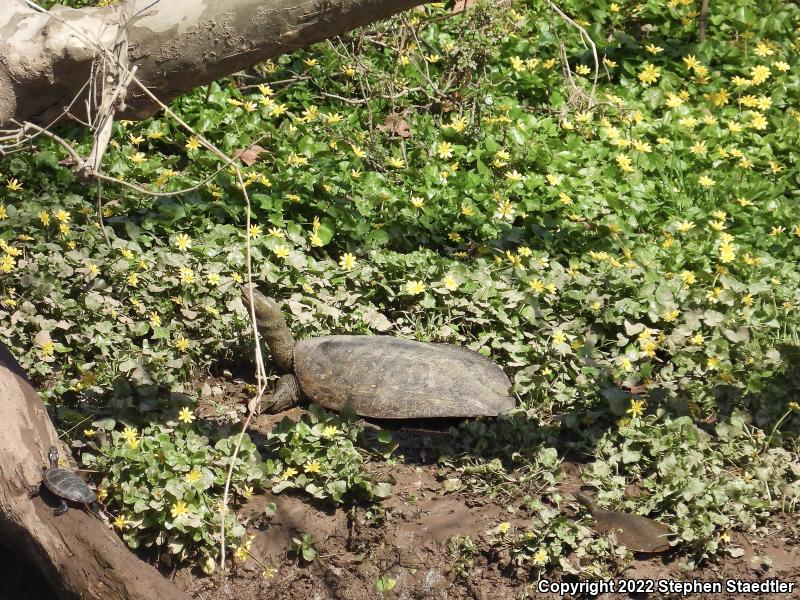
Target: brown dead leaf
[
  {"x": 249, "y": 155},
  {"x": 462, "y": 5},
  {"x": 396, "y": 124}
]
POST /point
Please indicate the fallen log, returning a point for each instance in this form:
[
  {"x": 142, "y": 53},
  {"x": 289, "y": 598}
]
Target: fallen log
[{"x": 76, "y": 552}]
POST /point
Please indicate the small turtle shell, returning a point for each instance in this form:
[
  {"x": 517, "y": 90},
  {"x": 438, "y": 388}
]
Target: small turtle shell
[{"x": 65, "y": 484}]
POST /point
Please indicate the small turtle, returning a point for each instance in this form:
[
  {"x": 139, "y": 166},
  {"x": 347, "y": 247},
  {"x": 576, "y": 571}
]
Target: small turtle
[
  {"x": 65, "y": 485},
  {"x": 637, "y": 533},
  {"x": 380, "y": 376}
]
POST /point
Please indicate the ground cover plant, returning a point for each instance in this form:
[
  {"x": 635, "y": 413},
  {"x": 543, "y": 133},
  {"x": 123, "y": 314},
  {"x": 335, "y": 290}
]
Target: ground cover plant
[{"x": 627, "y": 250}]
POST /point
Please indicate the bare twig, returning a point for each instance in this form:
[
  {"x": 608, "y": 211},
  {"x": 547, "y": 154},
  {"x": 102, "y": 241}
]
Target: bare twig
[{"x": 586, "y": 40}]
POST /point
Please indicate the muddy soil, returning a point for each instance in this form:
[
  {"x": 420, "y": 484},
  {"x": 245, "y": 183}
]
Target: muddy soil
[{"x": 412, "y": 547}]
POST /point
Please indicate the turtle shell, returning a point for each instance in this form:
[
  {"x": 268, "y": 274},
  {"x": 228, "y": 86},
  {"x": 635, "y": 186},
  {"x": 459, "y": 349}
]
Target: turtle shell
[
  {"x": 67, "y": 485},
  {"x": 390, "y": 378}
]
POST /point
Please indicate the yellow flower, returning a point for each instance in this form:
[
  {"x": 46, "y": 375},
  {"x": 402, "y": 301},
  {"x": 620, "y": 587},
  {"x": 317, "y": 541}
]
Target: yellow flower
[
  {"x": 759, "y": 74},
  {"x": 624, "y": 163},
  {"x": 649, "y": 74},
  {"x": 688, "y": 278},
  {"x": 699, "y": 147},
  {"x": 458, "y": 124},
  {"x": 727, "y": 252},
  {"x": 133, "y": 280},
  {"x": 193, "y": 143},
  {"x": 417, "y": 202},
  {"x": 312, "y": 467},
  {"x": 183, "y": 242},
  {"x": 554, "y": 179},
  {"x": 120, "y": 522},
  {"x": 194, "y": 475},
  {"x": 558, "y": 337},
  {"x": 636, "y": 409},
  {"x": 782, "y": 66},
  {"x": 673, "y": 100},
  {"x": 763, "y": 49},
  {"x": 691, "y": 61},
  {"x": 48, "y": 348},
  {"x": 138, "y": 158},
  {"x": 178, "y": 509},
  {"x": 14, "y": 185},
  {"x": 155, "y": 320},
  {"x": 757, "y": 121},
  {"x": 706, "y": 181},
  {"x": 213, "y": 279},
  {"x": 186, "y": 275},
  {"x": 444, "y": 150},
  {"x": 289, "y": 473},
  {"x": 186, "y": 415},
  {"x": 501, "y": 158},
  {"x": 652, "y": 49},
  {"x": 504, "y": 527},
  {"x": 540, "y": 557},
  {"x": 396, "y": 163},
  {"x": 330, "y": 431},
  {"x": 517, "y": 63},
  {"x": 347, "y": 261},
  {"x": 717, "y": 225},
  {"x": 131, "y": 436},
  {"x": 182, "y": 343},
  {"x": 415, "y": 287},
  {"x": 281, "y": 251},
  {"x": 450, "y": 283}
]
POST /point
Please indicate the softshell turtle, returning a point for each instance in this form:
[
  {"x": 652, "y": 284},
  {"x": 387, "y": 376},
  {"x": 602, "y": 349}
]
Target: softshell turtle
[
  {"x": 637, "y": 533},
  {"x": 380, "y": 376},
  {"x": 65, "y": 485}
]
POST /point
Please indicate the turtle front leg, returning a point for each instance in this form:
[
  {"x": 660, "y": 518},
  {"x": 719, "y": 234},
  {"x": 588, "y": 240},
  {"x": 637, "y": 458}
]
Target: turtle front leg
[
  {"x": 286, "y": 395},
  {"x": 61, "y": 508},
  {"x": 35, "y": 491}
]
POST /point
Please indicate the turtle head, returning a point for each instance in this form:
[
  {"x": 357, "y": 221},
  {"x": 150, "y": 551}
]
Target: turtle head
[
  {"x": 52, "y": 456},
  {"x": 586, "y": 500},
  {"x": 272, "y": 326}
]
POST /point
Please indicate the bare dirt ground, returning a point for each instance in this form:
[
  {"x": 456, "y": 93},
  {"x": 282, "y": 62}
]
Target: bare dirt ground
[{"x": 411, "y": 546}]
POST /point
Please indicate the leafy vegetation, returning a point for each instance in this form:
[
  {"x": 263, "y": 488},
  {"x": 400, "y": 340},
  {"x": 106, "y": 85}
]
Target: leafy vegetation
[{"x": 632, "y": 262}]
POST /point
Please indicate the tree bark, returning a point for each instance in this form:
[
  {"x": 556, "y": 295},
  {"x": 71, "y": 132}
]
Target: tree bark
[
  {"x": 77, "y": 554},
  {"x": 176, "y": 45}
]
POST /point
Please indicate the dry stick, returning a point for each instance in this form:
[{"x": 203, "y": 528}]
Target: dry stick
[
  {"x": 17, "y": 134},
  {"x": 261, "y": 371},
  {"x": 586, "y": 39},
  {"x": 261, "y": 378}
]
